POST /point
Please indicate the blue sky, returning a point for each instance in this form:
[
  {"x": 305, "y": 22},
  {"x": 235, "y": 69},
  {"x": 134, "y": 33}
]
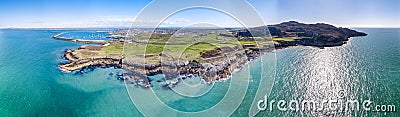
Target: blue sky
[{"x": 119, "y": 13}]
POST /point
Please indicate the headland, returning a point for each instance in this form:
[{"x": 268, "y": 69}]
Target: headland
[{"x": 211, "y": 54}]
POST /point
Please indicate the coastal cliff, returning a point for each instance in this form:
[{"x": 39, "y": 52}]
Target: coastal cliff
[
  {"x": 320, "y": 34},
  {"x": 293, "y": 33},
  {"x": 218, "y": 55}
]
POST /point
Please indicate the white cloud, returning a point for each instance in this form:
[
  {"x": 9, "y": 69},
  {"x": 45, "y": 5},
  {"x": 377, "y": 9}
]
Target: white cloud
[{"x": 181, "y": 20}]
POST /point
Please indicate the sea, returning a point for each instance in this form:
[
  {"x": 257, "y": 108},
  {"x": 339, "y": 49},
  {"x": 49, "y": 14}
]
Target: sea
[{"x": 364, "y": 69}]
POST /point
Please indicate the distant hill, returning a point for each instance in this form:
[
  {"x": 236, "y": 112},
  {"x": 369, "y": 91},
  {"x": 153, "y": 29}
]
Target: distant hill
[{"x": 319, "y": 34}]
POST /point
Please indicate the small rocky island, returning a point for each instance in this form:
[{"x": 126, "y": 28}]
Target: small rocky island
[{"x": 210, "y": 54}]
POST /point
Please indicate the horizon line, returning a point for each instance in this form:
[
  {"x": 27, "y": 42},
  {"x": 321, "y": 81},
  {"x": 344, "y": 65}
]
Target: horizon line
[
  {"x": 172, "y": 26},
  {"x": 165, "y": 27}
]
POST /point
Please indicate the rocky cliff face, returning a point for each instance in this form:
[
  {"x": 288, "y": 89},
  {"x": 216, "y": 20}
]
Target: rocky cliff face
[{"x": 314, "y": 34}]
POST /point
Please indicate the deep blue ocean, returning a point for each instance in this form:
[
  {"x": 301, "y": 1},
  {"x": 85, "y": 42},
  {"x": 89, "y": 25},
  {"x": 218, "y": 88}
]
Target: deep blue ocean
[{"x": 32, "y": 85}]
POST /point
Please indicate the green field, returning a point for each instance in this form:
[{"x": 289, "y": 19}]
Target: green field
[{"x": 167, "y": 47}]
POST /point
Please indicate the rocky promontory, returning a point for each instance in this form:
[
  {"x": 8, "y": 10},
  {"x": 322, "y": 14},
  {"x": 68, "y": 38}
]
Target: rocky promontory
[
  {"x": 294, "y": 33},
  {"x": 320, "y": 34}
]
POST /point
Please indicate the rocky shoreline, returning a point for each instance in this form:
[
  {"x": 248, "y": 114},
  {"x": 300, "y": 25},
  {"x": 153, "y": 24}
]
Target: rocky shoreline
[
  {"x": 77, "y": 64},
  {"x": 215, "y": 65},
  {"x": 210, "y": 72}
]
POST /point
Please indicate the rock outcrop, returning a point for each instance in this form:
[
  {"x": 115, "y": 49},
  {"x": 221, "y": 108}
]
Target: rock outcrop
[{"x": 319, "y": 34}]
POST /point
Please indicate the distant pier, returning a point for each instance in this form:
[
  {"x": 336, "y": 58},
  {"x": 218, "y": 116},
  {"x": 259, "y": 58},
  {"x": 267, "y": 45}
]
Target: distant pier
[{"x": 57, "y": 36}]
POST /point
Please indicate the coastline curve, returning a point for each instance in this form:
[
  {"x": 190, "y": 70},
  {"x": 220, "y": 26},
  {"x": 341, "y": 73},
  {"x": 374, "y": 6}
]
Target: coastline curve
[{"x": 239, "y": 83}]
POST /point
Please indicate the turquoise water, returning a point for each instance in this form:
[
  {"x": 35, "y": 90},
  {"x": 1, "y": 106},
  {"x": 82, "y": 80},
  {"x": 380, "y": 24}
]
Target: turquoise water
[{"x": 32, "y": 85}]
